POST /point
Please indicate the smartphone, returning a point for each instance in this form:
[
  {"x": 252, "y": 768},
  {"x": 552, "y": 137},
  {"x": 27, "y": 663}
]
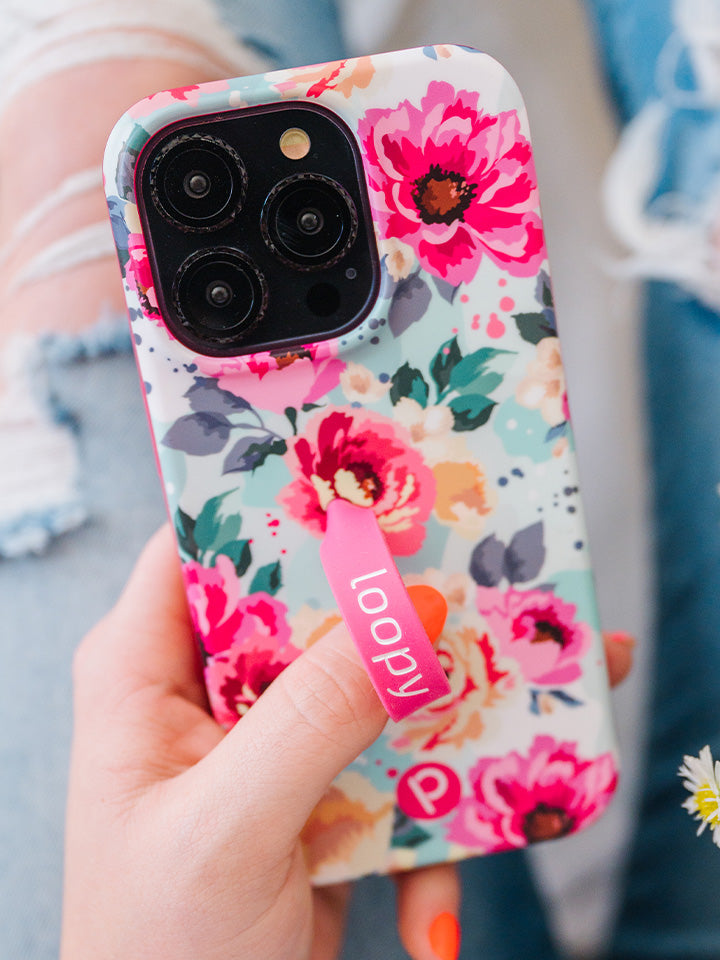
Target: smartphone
[{"x": 338, "y": 288}]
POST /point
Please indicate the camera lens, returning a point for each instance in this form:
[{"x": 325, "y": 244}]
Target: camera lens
[
  {"x": 219, "y": 294},
  {"x": 309, "y": 221},
  {"x": 198, "y": 182}
]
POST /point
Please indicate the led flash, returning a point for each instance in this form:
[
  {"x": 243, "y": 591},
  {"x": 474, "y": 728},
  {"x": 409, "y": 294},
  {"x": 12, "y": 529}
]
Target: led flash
[{"x": 295, "y": 144}]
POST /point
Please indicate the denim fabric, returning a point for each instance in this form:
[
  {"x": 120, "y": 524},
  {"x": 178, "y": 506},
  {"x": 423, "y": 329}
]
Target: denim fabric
[
  {"x": 641, "y": 66},
  {"x": 631, "y": 34},
  {"x": 289, "y": 33},
  {"x": 501, "y": 917},
  {"x": 48, "y": 602},
  {"x": 669, "y": 909}
]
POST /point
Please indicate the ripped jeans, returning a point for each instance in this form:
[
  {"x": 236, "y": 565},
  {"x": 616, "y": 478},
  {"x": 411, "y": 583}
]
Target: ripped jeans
[{"x": 668, "y": 908}]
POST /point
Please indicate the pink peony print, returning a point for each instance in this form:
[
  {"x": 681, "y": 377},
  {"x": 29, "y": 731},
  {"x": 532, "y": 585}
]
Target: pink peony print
[
  {"x": 368, "y": 460},
  {"x": 478, "y": 684},
  {"x": 538, "y": 630},
  {"x": 235, "y": 679},
  {"x": 521, "y": 799},
  {"x": 274, "y": 382},
  {"x": 139, "y": 275},
  {"x": 454, "y": 183},
  {"x": 290, "y": 382},
  {"x": 223, "y": 618},
  {"x": 246, "y": 638}
]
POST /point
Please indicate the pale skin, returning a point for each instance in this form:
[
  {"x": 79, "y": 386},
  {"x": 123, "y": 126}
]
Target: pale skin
[
  {"x": 143, "y": 722},
  {"x": 182, "y": 842}
]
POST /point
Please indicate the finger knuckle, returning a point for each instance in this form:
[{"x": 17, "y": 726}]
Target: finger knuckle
[{"x": 330, "y": 699}]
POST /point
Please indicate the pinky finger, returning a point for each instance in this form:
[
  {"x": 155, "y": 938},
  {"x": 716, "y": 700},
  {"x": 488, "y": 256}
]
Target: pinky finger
[{"x": 428, "y": 908}]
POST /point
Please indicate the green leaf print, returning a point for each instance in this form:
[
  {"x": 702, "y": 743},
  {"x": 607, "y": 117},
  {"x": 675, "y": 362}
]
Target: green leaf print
[
  {"x": 184, "y": 530},
  {"x": 268, "y": 579},
  {"x": 239, "y": 552},
  {"x": 406, "y": 832},
  {"x": 471, "y": 411},
  {"x": 409, "y": 382},
  {"x": 443, "y": 364},
  {"x": 534, "y": 327},
  {"x": 213, "y": 529}
]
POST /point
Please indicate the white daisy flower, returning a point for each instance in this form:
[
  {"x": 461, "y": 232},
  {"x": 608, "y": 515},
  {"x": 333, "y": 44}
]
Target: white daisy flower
[{"x": 702, "y": 778}]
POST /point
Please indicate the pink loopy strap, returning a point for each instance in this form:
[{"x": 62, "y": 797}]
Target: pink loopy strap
[{"x": 379, "y": 614}]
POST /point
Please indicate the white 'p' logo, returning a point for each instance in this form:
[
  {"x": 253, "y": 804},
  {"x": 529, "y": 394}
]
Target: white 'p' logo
[{"x": 428, "y": 791}]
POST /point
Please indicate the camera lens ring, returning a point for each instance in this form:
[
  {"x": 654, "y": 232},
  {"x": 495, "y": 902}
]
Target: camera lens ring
[
  {"x": 192, "y": 157},
  {"x": 329, "y": 203},
  {"x": 223, "y": 319}
]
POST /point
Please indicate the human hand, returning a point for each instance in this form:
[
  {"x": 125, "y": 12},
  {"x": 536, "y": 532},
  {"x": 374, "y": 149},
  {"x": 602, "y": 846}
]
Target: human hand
[{"x": 183, "y": 842}]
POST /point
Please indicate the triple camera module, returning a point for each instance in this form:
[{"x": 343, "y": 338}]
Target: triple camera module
[{"x": 257, "y": 229}]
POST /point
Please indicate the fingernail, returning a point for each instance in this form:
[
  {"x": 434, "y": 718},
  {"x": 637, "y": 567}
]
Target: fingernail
[
  {"x": 621, "y": 637},
  {"x": 445, "y": 936},
  {"x": 431, "y": 606}
]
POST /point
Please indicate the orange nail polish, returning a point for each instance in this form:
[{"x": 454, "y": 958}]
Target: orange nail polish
[
  {"x": 431, "y": 606},
  {"x": 621, "y": 637},
  {"x": 445, "y": 936}
]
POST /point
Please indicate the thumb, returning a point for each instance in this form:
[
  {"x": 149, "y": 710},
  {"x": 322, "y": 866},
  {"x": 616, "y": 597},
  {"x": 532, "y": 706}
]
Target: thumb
[{"x": 313, "y": 720}]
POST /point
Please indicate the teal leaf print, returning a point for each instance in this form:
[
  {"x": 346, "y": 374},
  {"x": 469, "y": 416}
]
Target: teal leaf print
[
  {"x": 239, "y": 552},
  {"x": 198, "y": 433},
  {"x": 533, "y": 327},
  {"x": 443, "y": 364},
  {"x": 470, "y": 412},
  {"x": 409, "y": 382},
  {"x": 252, "y": 451},
  {"x": 409, "y": 303},
  {"x": 291, "y": 414},
  {"x": 267, "y": 579},
  {"x": 213, "y": 529},
  {"x": 184, "y": 531},
  {"x": 472, "y": 374},
  {"x": 407, "y": 833}
]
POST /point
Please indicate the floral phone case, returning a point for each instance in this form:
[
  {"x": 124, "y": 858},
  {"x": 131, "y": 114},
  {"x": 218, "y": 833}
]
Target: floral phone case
[{"x": 445, "y": 412}]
